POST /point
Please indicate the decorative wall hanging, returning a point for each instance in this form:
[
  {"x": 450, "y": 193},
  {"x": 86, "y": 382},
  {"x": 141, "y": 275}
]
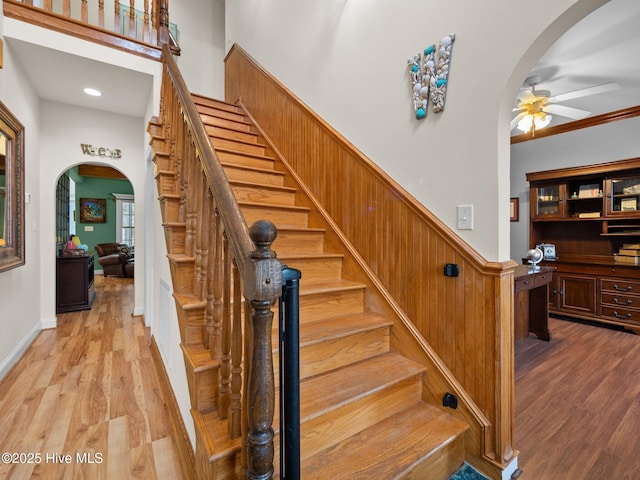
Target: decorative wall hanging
[
  {"x": 430, "y": 76},
  {"x": 92, "y": 210}
]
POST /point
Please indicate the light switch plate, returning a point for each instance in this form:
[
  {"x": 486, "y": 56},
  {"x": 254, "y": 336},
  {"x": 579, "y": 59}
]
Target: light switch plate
[
  {"x": 465, "y": 217},
  {"x": 88, "y": 228}
]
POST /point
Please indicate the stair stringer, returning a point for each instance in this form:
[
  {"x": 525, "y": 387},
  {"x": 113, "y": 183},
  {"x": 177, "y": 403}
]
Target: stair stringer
[{"x": 405, "y": 337}]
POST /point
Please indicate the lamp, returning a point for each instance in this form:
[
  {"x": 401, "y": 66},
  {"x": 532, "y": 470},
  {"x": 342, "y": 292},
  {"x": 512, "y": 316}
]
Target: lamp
[{"x": 534, "y": 120}]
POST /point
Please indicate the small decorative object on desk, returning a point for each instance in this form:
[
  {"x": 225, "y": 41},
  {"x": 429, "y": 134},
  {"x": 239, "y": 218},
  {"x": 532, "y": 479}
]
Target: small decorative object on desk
[{"x": 534, "y": 257}]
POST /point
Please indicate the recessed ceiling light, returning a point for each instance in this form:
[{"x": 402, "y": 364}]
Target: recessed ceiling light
[{"x": 93, "y": 92}]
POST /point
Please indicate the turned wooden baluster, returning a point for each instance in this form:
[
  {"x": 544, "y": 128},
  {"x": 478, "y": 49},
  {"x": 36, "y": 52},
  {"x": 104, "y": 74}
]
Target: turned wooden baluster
[
  {"x": 224, "y": 393},
  {"x": 117, "y": 26},
  {"x": 101, "y": 13},
  {"x": 217, "y": 266},
  {"x": 235, "y": 410},
  {"x": 66, "y": 8},
  {"x": 145, "y": 26},
  {"x": 84, "y": 14},
  {"x": 260, "y": 396},
  {"x": 210, "y": 215},
  {"x": 204, "y": 229},
  {"x": 46, "y": 4},
  {"x": 199, "y": 192},
  {"x": 132, "y": 18}
]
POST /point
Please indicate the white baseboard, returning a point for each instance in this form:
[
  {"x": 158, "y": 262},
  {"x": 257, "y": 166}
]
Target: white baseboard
[
  {"x": 18, "y": 350},
  {"x": 512, "y": 468},
  {"x": 51, "y": 323}
]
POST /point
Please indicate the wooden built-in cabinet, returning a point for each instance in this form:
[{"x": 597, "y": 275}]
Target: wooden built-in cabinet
[
  {"x": 589, "y": 213},
  {"x": 74, "y": 283}
]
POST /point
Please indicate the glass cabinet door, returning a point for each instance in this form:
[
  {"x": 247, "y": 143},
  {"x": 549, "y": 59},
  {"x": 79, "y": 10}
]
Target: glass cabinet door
[
  {"x": 548, "y": 201},
  {"x": 623, "y": 196}
]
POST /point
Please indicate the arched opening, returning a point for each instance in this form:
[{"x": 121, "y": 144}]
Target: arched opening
[
  {"x": 95, "y": 226},
  {"x": 597, "y": 50}
]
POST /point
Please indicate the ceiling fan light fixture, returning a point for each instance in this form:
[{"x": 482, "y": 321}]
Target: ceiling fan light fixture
[{"x": 536, "y": 120}]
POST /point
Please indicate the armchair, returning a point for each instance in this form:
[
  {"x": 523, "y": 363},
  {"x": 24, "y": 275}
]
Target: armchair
[{"x": 114, "y": 258}]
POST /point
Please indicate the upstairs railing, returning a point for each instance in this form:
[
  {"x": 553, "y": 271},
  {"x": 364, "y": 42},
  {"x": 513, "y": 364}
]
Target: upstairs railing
[
  {"x": 231, "y": 261},
  {"x": 142, "y": 31}
]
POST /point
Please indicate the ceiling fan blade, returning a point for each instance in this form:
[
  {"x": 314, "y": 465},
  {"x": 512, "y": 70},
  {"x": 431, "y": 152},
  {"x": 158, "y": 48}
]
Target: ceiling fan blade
[
  {"x": 564, "y": 111},
  {"x": 526, "y": 96},
  {"x": 583, "y": 92},
  {"x": 516, "y": 119}
]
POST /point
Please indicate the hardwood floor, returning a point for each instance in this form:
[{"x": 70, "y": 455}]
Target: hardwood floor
[
  {"x": 84, "y": 401},
  {"x": 578, "y": 404}
]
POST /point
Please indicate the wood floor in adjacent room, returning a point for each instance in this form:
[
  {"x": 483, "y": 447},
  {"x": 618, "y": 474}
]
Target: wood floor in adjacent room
[
  {"x": 84, "y": 401},
  {"x": 578, "y": 404}
]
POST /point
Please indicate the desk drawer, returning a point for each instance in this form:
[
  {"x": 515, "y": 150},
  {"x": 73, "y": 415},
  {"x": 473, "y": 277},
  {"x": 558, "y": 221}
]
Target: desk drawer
[
  {"x": 620, "y": 300},
  {"x": 623, "y": 314},
  {"x": 620, "y": 285},
  {"x": 542, "y": 278},
  {"x": 524, "y": 283}
]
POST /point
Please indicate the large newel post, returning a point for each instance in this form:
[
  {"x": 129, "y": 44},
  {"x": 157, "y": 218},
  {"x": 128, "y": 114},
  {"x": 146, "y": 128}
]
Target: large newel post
[{"x": 261, "y": 295}]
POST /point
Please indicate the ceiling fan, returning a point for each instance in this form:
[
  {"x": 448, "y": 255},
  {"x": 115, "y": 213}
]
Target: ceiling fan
[{"x": 535, "y": 107}]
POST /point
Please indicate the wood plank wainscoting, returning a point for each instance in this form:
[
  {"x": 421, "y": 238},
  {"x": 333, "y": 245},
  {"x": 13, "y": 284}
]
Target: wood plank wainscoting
[{"x": 402, "y": 247}]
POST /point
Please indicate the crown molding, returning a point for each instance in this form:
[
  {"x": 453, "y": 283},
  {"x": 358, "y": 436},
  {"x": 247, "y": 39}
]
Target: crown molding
[{"x": 614, "y": 116}]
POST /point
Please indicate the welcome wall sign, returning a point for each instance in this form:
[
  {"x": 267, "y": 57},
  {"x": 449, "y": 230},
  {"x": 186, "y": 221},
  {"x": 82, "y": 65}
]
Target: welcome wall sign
[
  {"x": 114, "y": 153},
  {"x": 429, "y": 73}
]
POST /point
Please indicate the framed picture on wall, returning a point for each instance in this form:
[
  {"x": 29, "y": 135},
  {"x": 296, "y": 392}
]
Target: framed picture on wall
[
  {"x": 93, "y": 210},
  {"x": 514, "y": 209}
]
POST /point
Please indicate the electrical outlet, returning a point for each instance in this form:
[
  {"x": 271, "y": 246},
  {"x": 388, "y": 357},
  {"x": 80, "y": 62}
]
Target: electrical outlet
[{"x": 465, "y": 217}]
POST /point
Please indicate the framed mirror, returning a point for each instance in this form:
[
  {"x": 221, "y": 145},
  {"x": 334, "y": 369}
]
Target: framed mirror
[{"x": 11, "y": 190}]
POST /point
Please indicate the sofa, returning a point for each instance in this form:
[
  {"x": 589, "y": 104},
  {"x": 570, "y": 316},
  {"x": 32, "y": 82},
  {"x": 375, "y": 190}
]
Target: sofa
[{"x": 115, "y": 259}]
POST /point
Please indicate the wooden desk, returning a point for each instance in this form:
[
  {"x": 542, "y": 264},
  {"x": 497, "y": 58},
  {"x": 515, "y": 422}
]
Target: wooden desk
[{"x": 531, "y": 303}]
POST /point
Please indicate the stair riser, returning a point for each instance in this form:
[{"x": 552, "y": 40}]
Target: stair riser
[
  {"x": 336, "y": 425},
  {"x": 214, "y": 105},
  {"x": 329, "y": 355},
  {"x": 162, "y": 162},
  {"x": 442, "y": 465},
  {"x": 279, "y": 216},
  {"x": 291, "y": 242},
  {"x": 166, "y": 183},
  {"x": 220, "y": 121},
  {"x": 238, "y": 146},
  {"x": 169, "y": 208},
  {"x": 263, "y": 195},
  {"x": 315, "y": 268},
  {"x": 235, "y": 117},
  {"x": 191, "y": 324},
  {"x": 174, "y": 237},
  {"x": 237, "y": 158},
  {"x": 253, "y": 176},
  {"x": 182, "y": 276},
  {"x": 203, "y": 387},
  {"x": 232, "y": 135},
  {"x": 319, "y": 306}
]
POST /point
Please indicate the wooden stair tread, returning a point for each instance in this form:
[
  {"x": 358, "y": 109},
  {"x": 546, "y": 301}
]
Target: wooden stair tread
[
  {"x": 216, "y": 435},
  {"x": 199, "y": 358},
  {"x": 264, "y": 186},
  {"x": 226, "y": 165},
  {"x": 389, "y": 449},
  {"x": 245, "y": 154},
  {"x": 188, "y": 301},
  {"x": 213, "y": 103},
  {"x": 294, "y": 208},
  {"x": 327, "y": 286},
  {"x": 330, "y": 390},
  {"x": 339, "y": 326}
]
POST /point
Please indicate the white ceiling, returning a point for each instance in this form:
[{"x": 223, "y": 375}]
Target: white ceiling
[
  {"x": 61, "y": 77},
  {"x": 603, "y": 47}
]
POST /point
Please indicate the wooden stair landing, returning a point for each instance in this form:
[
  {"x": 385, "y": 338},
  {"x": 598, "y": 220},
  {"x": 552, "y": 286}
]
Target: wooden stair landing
[{"x": 362, "y": 413}]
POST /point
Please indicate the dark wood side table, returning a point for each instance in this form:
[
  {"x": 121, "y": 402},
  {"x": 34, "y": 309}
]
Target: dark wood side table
[{"x": 531, "y": 303}]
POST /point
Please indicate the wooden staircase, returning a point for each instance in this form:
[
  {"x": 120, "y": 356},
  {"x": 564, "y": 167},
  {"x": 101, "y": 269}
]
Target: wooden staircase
[{"x": 362, "y": 409}]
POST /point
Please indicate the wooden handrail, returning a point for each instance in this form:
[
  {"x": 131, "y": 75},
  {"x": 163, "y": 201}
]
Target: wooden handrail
[{"x": 232, "y": 243}]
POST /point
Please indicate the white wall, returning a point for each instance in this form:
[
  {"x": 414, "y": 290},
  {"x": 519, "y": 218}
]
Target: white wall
[
  {"x": 347, "y": 59},
  {"x": 63, "y": 129},
  {"x": 604, "y": 143},
  {"x": 20, "y": 287},
  {"x": 201, "y": 39}
]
